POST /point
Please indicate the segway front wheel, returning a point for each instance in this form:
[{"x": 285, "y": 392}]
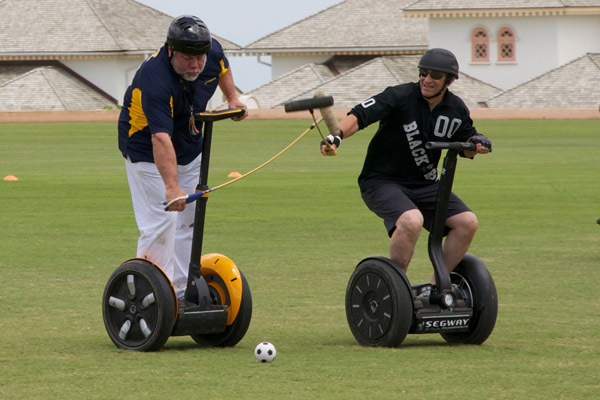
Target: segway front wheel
[
  {"x": 479, "y": 291},
  {"x": 228, "y": 286},
  {"x": 379, "y": 305},
  {"x": 138, "y": 306}
]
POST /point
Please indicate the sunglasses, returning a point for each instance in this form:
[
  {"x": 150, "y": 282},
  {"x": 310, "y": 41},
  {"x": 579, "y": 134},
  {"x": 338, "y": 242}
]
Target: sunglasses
[{"x": 437, "y": 75}]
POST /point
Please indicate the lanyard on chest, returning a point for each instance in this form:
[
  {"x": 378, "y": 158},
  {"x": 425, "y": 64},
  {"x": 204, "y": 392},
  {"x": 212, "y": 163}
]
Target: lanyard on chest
[{"x": 189, "y": 94}]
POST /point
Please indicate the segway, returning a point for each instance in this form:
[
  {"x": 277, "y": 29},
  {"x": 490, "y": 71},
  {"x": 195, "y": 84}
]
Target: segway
[
  {"x": 382, "y": 307},
  {"x": 140, "y": 307}
]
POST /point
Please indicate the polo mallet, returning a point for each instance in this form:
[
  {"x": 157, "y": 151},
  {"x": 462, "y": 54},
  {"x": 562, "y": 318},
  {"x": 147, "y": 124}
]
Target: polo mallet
[
  {"x": 329, "y": 118},
  {"x": 324, "y": 104},
  {"x": 190, "y": 198}
]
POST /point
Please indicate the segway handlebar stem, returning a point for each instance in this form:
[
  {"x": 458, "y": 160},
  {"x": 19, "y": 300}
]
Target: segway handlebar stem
[
  {"x": 436, "y": 234},
  {"x": 196, "y": 291}
]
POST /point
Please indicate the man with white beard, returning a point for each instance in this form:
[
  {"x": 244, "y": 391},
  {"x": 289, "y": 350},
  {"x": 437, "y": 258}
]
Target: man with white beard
[{"x": 162, "y": 144}]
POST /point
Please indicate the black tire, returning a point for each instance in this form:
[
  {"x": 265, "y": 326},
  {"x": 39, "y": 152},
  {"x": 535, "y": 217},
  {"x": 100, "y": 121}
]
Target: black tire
[
  {"x": 138, "y": 306},
  {"x": 235, "y": 332},
  {"x": 379, "y": 306},
  {"x": 477, "y": 286}
]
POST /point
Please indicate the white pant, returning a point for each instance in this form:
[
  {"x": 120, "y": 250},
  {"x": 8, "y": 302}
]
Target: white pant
[{"x": 165, "y": 237}]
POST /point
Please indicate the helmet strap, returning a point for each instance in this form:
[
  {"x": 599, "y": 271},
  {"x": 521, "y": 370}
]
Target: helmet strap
[
  {"x": 446, "y": 85},
  {"x": 439, "y": 93}
]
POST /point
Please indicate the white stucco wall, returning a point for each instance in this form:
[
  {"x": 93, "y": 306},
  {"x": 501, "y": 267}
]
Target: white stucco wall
[
  {"x": 282, "y": 64},
  {"x": 542, "y": 44},
  {"x": 577, "y": 36},
  {"x": 113, "y": 75}
]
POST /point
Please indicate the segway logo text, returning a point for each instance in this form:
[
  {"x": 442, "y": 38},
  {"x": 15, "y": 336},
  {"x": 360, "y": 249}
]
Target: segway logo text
[
  {"x": 417, "y": 149},
  {"x": 447, "y": 323}
]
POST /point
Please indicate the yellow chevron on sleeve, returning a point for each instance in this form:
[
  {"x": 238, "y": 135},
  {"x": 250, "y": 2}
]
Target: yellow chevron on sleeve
[
  {"x": 223, "y": 69},
  {"x": 155, "y": 54},
  {"x": 137, "y": 118}
]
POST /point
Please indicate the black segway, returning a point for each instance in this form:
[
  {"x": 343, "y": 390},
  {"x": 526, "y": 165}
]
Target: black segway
[
  {"x": 140, "y": 307},
  {"x": 382, "y": 307}
]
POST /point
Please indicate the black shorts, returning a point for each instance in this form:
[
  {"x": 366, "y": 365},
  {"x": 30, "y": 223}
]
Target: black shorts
[{"x": 390, "y": 200}]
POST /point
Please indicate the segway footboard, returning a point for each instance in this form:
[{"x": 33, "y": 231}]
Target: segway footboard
[
  {"x": 438, "y": 320},
  {"x": 194, "y": 321}
]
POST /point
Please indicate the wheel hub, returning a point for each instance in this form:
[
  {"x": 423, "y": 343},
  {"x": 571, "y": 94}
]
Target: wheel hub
[{"x": 374, "y": 306}]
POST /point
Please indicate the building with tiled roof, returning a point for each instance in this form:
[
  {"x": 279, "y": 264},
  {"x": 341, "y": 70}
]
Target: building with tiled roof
[
  {"x": 573, "y": 85},
  {"x": 31, "y": 86},
  {"x": 279, "y": 91},
  {"x": 359, "y": 83},
  {"x": 99, "y": 45},
  {"x": 349, "y": 30},
  {"x": 52, "y": 51},
  {"x": 509, "y": 42},
  {"x": 499, "y": 45}
]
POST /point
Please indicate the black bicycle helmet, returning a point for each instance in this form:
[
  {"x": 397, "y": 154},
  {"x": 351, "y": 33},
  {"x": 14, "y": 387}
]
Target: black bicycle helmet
[
  {"x": 440, "y": 60},
  {"x": 188, "y": 34}
]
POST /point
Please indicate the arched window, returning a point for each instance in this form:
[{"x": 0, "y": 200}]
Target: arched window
[
  {"x": 480, "y": 45},
  {"x": 506, "y": 45}
]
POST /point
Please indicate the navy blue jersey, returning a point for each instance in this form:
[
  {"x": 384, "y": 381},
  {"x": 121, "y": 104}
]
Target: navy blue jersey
[
  {"x": 158, "y": 100},
  {"x": 397, "y": 151}
]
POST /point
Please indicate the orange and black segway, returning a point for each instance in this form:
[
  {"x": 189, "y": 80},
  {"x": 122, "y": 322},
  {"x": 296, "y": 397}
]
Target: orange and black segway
[{"x": 139, "y": 306}]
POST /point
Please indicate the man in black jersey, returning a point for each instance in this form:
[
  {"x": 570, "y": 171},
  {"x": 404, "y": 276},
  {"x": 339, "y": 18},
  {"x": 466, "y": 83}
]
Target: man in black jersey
[{"x": 399, "y": 179}]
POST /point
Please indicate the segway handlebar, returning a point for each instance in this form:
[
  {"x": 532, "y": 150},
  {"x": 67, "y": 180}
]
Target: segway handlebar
[
  {"x": 189, "y": 198},
  {"x": 309, "y": 104},
  {"x": 459, "y": 146},
  {"x": 217, "y": 115}
]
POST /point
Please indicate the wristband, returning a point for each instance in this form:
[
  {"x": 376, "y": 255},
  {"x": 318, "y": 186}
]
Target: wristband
[{"x": 334, "y": 140}]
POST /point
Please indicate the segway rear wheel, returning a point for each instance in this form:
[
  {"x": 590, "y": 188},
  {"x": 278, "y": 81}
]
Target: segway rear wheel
[
  {"x": 236, "y": 329},
  {"x": 479, "y": 292},
  {"x": 379, "y": 305},
  {"x": 138, "y": 306}
]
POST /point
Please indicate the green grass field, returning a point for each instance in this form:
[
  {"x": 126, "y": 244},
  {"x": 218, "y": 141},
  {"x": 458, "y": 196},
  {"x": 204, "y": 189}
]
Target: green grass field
[{"x": 297, "y": 229}]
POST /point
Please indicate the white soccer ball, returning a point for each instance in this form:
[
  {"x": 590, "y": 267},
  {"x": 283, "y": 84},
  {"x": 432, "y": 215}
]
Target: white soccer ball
[{"x": 265, "y": 352}]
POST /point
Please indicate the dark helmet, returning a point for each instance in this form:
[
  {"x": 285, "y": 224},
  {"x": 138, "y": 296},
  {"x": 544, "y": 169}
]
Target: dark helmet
[
  {"x": 439, "y": 60},
  {"x": 188, "y": 34}
]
